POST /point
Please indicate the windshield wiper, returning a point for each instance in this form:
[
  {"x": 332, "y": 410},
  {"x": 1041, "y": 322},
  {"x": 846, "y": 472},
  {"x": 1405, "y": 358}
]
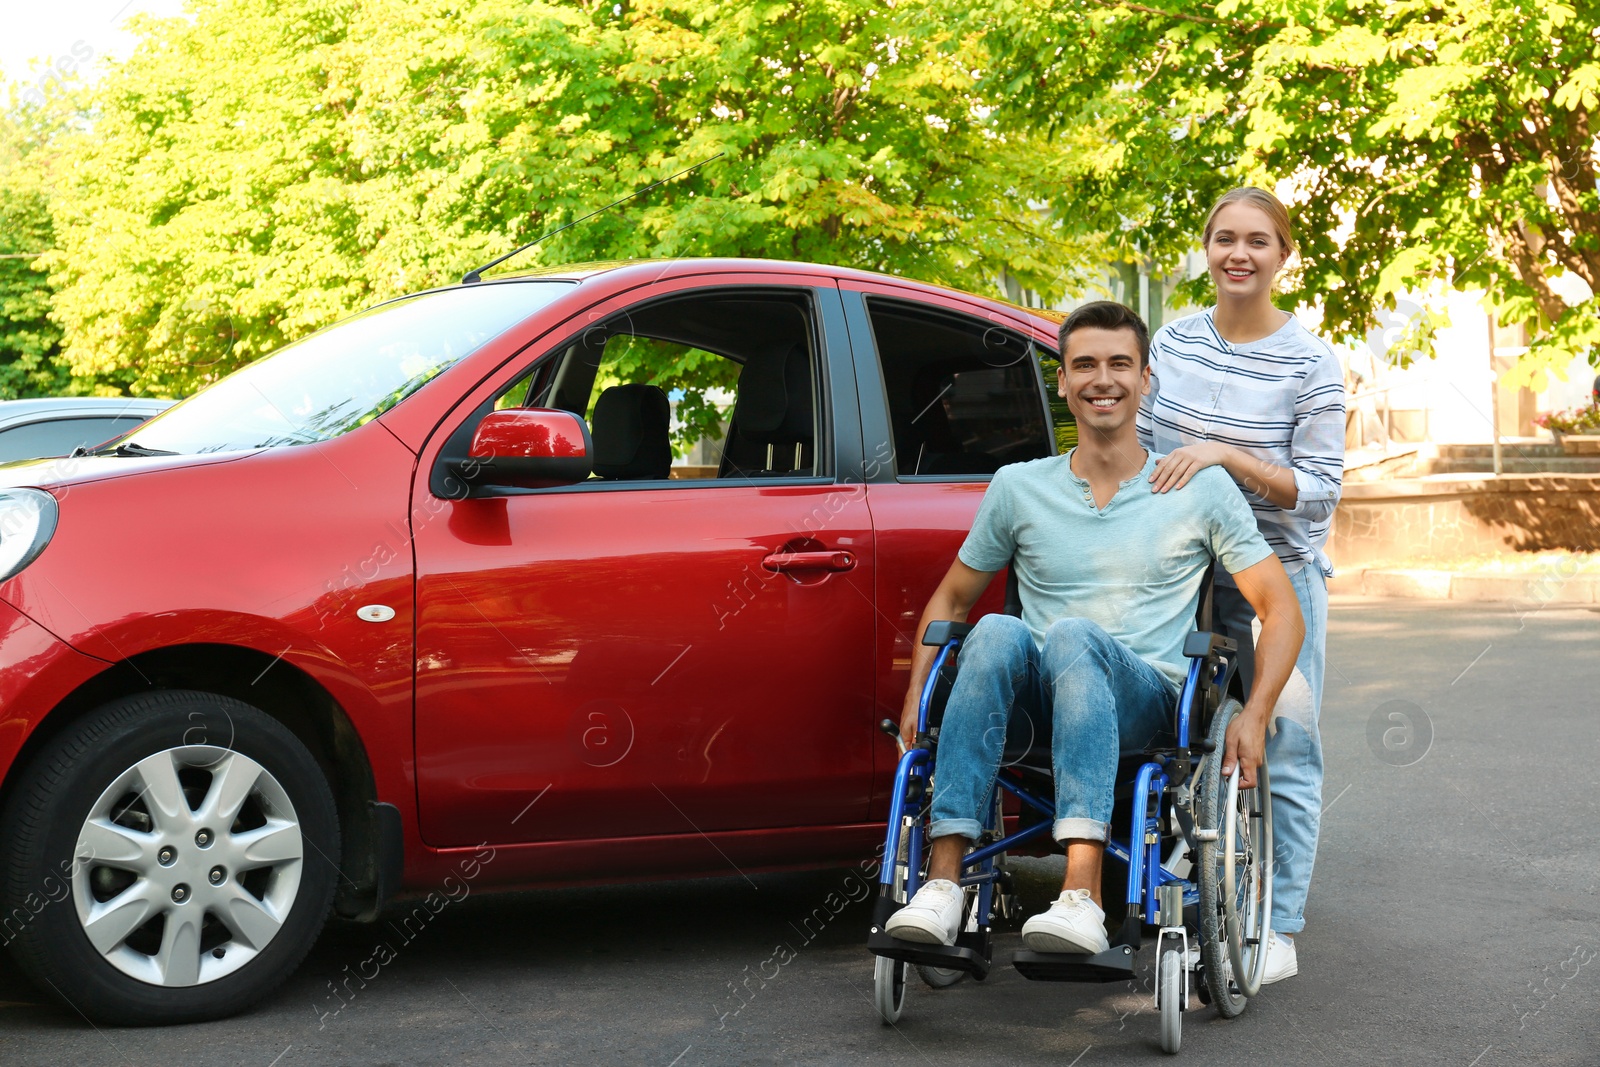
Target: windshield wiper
[{"x": 128, "y": 448}]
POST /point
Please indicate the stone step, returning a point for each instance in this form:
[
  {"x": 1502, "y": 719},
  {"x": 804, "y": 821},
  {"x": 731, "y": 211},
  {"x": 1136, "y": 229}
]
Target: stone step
[
  {"x": 1517, "y": 446},
  {"x": 1510, "y": 463}
]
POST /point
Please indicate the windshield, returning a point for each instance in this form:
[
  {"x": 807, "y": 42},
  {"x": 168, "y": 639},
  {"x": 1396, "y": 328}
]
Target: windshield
[{"x": 346, "y": 375}]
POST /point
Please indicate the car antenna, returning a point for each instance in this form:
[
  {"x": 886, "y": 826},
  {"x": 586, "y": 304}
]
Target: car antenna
[{"x": 473, "y": 276}]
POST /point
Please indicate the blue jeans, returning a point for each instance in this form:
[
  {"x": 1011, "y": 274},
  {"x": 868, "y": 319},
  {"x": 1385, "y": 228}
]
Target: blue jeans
[
  {"x": 1294, "y": 744},
  {"x": 1102, "y": 700}
]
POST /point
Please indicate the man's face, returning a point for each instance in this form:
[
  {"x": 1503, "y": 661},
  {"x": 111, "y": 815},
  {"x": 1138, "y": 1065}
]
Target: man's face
[{"x": 1100, "y": 378}]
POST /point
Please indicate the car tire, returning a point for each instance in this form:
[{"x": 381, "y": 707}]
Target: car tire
[{"x": 170, "y": 858}]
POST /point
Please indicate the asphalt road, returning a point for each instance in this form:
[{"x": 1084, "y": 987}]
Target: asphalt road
[{"x": 1452, "y": 921}]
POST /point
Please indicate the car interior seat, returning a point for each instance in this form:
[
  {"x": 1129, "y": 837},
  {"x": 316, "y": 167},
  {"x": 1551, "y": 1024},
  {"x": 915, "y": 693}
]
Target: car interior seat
[
  {"x": 630, "y": 434},
  {"x": 772, "y": 431}
]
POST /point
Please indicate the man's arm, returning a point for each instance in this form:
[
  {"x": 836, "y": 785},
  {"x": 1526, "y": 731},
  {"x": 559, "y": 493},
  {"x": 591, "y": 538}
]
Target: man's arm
[
  {"x": 1269, "y": 592},
  {"x": 957, "y": 592}
]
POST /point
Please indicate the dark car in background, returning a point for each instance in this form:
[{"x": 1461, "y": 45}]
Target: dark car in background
[{"x": 53, "y": 426}]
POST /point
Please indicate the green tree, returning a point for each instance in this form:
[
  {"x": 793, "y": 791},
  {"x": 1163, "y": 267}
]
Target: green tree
[
  {"x": 1430, "y": 144},
  {"x": 29, "y": 341},
  {"x": 270, "y": 165}
]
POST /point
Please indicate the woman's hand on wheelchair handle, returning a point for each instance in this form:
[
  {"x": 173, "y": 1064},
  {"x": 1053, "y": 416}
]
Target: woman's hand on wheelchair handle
[{"x": 1246, "y": 747}]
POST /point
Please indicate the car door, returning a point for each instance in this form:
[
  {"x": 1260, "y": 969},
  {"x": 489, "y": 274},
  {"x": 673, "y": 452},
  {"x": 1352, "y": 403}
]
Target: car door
[
  {"x": 645, "y": 655},
  {"x": 950, "y": 392}
]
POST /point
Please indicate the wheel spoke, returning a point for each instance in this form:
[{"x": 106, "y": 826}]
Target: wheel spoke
[
  {"x": 109, "y": 924},
  {"x": 248, "y": 919},
  {"x": 102, "y": 841},
  {"x": 277, "y": 842},
  {"x": 178, "y": 959},
  {"x": 232, "y": 778},
  {"x": 162, "y": 791}
]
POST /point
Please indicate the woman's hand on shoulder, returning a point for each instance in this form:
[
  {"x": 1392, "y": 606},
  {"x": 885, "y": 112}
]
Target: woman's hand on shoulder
[{"x": 1176, "y": 468}]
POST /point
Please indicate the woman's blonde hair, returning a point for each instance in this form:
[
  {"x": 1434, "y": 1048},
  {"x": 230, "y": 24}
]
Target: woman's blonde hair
[{"x": 1259, "y": 198}]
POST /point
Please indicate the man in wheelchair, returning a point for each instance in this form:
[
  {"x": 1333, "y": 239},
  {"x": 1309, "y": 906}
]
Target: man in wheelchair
[{"x": 1109, "y": 574}]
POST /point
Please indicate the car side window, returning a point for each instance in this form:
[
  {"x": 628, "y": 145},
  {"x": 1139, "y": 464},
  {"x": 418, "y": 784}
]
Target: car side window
[
  {"x": 58, "y": 437},
  {"x": 1063, "y": 423},
  {"x": 963, "y": 393},
  {"x": 711, "y": 387}
]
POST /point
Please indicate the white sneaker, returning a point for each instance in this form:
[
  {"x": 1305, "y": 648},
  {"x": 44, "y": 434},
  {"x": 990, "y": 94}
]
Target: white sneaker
[
  {"x": 932, "y": 917},
  {"x": 1281, "y": 962},
  {"x": 1074, "y": 923}
]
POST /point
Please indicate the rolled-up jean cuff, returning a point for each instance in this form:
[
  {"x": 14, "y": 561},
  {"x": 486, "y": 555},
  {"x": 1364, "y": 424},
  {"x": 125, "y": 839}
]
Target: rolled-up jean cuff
[
  {"x": 967, "y": 828},
  {"x": 1079, "y": 830}
]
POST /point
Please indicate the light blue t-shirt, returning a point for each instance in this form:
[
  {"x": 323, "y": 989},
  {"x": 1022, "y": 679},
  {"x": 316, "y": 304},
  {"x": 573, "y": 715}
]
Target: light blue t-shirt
[{"x": 1134, "y": 567}]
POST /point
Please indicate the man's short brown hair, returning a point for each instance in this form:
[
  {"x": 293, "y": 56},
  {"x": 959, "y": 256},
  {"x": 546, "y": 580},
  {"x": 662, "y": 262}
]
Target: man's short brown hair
[{"x": 1107, "y": 315}]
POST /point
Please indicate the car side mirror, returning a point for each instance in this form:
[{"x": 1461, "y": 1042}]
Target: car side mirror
[{"x": 526, "y": 448}]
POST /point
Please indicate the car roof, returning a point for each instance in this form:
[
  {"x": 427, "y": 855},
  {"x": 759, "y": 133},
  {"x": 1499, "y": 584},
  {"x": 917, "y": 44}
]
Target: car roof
[
  {"x": 578, "y": 272},
  {"x": 110, "y": 407}
]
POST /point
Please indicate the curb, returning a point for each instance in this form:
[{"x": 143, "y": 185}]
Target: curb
[{"x": 1556, "y": 585}]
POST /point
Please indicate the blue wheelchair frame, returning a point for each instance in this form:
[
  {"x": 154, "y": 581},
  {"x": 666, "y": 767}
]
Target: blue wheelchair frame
[{"x": 1211, "y": 662}]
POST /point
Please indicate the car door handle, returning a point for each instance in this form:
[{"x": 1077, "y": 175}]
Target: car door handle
[{"x": 833, "y": 560}]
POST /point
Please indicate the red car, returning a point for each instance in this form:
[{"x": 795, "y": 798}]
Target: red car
[{"x": 446, "y": 594}]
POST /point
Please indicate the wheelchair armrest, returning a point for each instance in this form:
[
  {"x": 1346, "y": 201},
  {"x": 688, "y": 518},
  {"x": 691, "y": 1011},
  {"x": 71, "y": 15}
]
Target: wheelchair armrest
[
  {"x": 1199, "y": 644},
  {"x": 944, "y": 631}
]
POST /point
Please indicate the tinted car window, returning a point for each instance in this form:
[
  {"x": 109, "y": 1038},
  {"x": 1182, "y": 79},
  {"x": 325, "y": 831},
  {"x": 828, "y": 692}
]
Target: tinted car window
[
  {"x": 702, "y": 387},
  {"x": 58, "y": 437},
  {"x": 963, "y": 394},
  {"x": 1062, "y": 421},
  {"x": 348, "y": 374}
]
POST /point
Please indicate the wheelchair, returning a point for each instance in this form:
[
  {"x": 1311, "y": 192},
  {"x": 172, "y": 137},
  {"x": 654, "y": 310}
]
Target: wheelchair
[{"x": 1196, "y": 850}]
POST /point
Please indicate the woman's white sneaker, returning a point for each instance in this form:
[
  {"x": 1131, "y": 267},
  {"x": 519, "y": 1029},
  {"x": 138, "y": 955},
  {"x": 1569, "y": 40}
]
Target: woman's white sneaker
[
  {"x": 1281, "y": 962},
  {"x": 932, "y": 917},
  {"x": 1074, "y": 923}
]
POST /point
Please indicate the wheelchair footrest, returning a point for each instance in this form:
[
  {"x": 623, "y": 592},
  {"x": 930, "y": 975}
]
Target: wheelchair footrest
[
  {"x": 1113, "y": 965},
  {"x": 956, "y": 957}
]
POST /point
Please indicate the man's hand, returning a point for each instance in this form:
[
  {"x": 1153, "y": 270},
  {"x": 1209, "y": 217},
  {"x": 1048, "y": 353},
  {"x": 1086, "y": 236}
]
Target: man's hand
[
  {"x": 908, "y": 715},
  {"x": 957, "y": 593},
  {"x": 1246, "y": 747}
]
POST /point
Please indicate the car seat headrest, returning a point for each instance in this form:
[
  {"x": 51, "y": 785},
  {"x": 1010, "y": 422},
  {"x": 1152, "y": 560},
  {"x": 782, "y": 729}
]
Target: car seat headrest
[
  {"x": 774, "y": 402},
  {"x": 631, "y": 433}
]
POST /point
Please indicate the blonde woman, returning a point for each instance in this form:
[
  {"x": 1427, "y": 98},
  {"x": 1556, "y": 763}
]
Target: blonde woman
[{"x": 1243, "y": 386}]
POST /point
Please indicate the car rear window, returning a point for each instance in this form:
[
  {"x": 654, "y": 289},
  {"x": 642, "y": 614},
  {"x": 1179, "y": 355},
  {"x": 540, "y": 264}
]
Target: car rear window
[{"x": 964, "y": 394}]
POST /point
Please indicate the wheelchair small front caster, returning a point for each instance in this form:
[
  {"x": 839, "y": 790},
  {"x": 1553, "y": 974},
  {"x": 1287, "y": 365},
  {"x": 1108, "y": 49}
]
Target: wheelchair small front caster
[
  {"x": 889, "y": 989},
  {"x": 1169, "y": 983}
]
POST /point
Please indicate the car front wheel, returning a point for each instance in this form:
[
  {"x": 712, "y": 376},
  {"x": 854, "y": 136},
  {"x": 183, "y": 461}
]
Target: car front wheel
[{"x": 170, "y": 858}]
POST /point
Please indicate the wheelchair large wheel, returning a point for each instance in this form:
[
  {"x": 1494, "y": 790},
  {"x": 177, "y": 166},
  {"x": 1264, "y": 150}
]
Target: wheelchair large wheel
[
  {"x": 1234, "y": 873},
  {"x": 939, "y": 977}
]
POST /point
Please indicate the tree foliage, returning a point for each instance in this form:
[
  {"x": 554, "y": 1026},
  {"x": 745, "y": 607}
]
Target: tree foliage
[
  {"x": 258, "y": 170},
  {"x": 1430, "y": 144},
  {"x": 262, "y": 167},
  {"x": 29, "y": 342}
]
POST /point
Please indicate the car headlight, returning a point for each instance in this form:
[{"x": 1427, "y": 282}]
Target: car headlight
[{"x": 27, "y": 520}]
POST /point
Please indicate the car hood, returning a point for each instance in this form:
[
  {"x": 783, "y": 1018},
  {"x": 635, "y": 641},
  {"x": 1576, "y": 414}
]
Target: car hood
[{"x": 75, "y": 470}]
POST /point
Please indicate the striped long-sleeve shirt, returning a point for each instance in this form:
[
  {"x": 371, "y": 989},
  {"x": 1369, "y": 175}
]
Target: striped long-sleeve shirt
[{"x": 1280, "y": 399}]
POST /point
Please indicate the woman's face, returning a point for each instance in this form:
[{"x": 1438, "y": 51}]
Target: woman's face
[{"x": 1244, "y": 253}]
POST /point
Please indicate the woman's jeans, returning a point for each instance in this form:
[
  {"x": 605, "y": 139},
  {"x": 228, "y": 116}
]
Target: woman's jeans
[
  {"x": 1294, "y": 746},
  {"x": 1085, "y": 694}
]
